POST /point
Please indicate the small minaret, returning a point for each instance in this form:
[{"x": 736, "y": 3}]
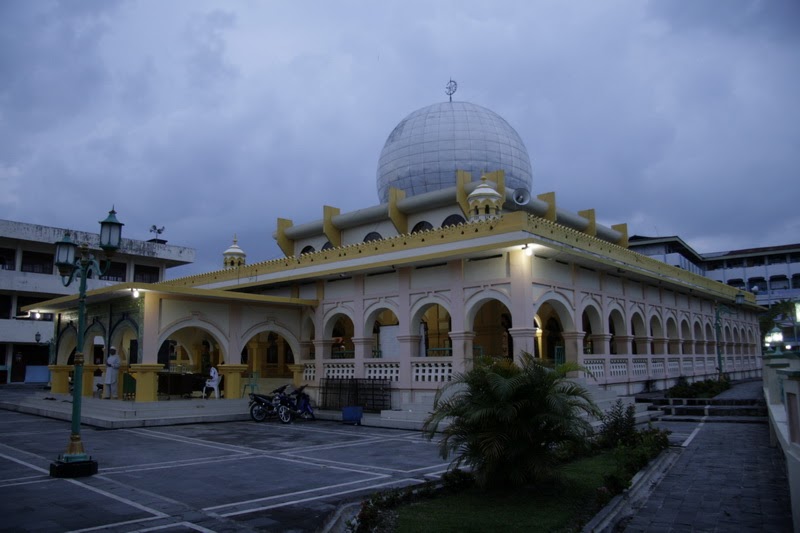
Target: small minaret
[
  {"x": 484, "y": 202},
  {"x": 234, "y": 256}
]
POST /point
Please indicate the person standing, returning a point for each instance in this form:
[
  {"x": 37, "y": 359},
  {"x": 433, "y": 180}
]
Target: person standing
[{"x": 112, "y": 367}]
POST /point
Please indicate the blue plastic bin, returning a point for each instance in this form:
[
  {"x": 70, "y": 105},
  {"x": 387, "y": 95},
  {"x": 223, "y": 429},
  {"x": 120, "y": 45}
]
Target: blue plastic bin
[{"x": 352, "y": 415}]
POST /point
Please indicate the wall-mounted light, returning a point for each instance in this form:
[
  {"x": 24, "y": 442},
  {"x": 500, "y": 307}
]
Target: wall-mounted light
[
  {"x": 37, "y": 315},
  {"x": 38, "y": 337},
  {"x": 528, "y": 249},
  {"x": 135, "y": 292}
]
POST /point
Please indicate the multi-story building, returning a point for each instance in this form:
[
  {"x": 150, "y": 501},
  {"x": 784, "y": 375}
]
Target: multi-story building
[
  {"x": 772, "y": 273},
  {"x": 28, "y": 276}
]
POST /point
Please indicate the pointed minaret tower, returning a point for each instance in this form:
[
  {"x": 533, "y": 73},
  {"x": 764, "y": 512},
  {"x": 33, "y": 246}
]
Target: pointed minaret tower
[{"x": 234, "y": 256}]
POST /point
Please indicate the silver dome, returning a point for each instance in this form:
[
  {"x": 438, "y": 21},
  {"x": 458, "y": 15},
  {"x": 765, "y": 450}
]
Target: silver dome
[{"x": 426, "y": 148}]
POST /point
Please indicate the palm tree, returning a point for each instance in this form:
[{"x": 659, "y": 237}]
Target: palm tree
[{"x": 506, "y": 421}]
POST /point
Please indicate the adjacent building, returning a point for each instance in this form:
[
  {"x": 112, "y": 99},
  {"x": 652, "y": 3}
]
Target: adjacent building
[{"x": 28, "y": 276}]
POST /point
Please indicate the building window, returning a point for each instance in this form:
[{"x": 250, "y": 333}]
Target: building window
[
  {"x": 5, "y": 306},
  {"x": 307, "y": 250},
  {"x": 778, "y": 283},
  {"x": 735, "y": 263},
  {"x": 145, "y": 274},
  {"x": 453, "y": 220},
  {"x": 372, "y": 236},
  {"x": 776, "y": 259},
  {"x": 36, "y": 262},
  {"x": 327, "y": 246},
  {"x": 116, "y": 272},
  {"x": 714, "y": 265},
  {"x": 738, "y": 283},
  {"x": 7, "y": 259},
  {"x": 423, "y": 225},
  {"x": 796, "y": 281}
]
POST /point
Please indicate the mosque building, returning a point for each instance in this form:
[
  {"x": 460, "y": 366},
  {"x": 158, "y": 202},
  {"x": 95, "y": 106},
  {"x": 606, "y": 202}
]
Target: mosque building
[{"x": 457, "y": 260}]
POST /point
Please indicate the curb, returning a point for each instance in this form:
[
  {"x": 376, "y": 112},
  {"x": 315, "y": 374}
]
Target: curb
[{"x": 642, "y": 484}]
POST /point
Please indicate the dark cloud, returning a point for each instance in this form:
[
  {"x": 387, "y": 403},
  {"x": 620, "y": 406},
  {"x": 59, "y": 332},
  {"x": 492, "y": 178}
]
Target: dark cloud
[{"x": 213, "y": 119}]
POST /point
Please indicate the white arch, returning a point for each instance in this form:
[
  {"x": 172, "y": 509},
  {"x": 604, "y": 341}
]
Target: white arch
[
  {"x": 474, "y": 303},
  {"x": 420, "y": 306},
  {"x": 328, "y": 322},
  {"x": 274, "y": 327},
  {"x": 562, "y": 307},
  {"x": 371, "y": 311},
  {"x": 200, "y": 323}
]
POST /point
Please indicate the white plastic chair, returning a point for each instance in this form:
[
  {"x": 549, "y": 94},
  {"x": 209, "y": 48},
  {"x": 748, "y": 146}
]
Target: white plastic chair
[{"x": 213, "y": 383}]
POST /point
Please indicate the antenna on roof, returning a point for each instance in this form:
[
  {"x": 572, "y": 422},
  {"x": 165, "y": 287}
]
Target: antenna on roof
[
  {"x": 158, "y": 231},
  {"x": 451, "y": 88}
]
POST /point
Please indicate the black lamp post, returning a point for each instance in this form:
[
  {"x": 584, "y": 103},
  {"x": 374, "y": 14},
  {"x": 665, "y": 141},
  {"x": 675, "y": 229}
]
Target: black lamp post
[{"x": 75, "y": 462}]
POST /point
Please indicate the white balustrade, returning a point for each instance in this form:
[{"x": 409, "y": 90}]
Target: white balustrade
[
  {"x": 431, "y": 372},
  {"x": 595, "y": 367},
  {"x": 618, "y": 368},
  {"x": 389, "y": 371},
  {"x": 657, "y": 367},
  {"x": 639, "y": 367},
  {"x": 310, "y": 372},
  {"x": 674, "y": 366},
  {"x": 340, "y": 370}
]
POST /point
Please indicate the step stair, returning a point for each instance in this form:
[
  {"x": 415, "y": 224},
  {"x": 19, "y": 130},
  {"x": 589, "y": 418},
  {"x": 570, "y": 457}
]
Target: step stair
[{"x": 711, "y": 409}]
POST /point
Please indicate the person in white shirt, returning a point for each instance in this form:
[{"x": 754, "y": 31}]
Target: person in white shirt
[{"x": 112, "y": 367}]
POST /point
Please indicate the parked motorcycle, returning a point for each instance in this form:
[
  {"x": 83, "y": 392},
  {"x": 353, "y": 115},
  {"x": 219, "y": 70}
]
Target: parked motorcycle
[
  {"x": 300, "y": 403},
  {"x": 277, "y": 403}
]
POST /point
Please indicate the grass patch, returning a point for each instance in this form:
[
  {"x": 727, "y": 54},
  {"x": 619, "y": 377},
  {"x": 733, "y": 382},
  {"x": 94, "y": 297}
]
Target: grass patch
[{"x": 561, "y": 507}]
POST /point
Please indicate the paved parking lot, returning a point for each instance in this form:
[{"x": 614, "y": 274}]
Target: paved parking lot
[{"x": 233, "y": 476}]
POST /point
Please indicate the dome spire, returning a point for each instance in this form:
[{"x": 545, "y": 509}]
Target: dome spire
[
  {"x": 234, "y": 256},
  {"x": 450, "y": 89}
]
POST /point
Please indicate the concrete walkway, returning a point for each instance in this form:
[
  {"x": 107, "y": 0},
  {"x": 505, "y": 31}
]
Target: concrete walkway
[{"x": 727, "y": 479}]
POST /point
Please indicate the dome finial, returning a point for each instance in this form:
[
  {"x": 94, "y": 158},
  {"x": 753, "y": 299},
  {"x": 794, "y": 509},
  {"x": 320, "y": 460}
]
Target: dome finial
[{"x": 450, "y": 89}]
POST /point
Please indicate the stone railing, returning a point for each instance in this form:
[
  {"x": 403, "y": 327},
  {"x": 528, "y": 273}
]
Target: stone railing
[
  {"x": 431, "y": 371},
  {"x": 382, "y": 370},
  {"x": 340, "y": 370},
  {"x": 632, "y": 369},
  {"x": 310, "y": 372}
]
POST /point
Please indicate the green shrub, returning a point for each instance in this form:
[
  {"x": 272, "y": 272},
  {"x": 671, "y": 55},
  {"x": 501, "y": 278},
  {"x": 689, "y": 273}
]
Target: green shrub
[
  {"x": 619, "y": 426},
  {"x": 700, "y": 389}
]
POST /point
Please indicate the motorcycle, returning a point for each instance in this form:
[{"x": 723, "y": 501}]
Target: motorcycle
[
  {"x": 300, "y": 402},
  {"x": 277, "y": 403}
]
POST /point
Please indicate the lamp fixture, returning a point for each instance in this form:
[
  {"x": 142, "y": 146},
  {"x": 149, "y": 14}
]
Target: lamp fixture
[
  {"x": 528, "y": 249},
  {"x": 135, "y": 292},
  {"x": 38, "y": 337},
  {"x": 37, "y": 315}
]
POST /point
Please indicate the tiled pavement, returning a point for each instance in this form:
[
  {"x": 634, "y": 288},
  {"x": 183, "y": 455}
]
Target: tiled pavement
[{"x": 727, "y": 479}]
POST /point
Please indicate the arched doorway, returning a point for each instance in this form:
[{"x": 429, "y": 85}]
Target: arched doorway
[
  {"x": 491, "y": 327},
  {"x": 384, "y": 327},
  {"x": 433, "y": 325},
  {"x": 269, "y": 354}
]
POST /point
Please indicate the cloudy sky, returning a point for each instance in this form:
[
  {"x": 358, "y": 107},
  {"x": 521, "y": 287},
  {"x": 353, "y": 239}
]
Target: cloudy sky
[{"x": 214, "y": 118}]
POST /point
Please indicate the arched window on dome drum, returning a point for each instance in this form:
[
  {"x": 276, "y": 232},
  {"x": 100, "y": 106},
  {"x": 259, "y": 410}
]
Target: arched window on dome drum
[
  {"x": 453, "y": 220},
  {"x": 307, "y": 250},
  {"x": 327, "y": 245},
  {"x": 423, "y": 225},
  {"x": 372, "y": 236}
]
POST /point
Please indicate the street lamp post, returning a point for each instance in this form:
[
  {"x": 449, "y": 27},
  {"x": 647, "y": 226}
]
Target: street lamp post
[
  {"x": 719, "y": 310},
  {"x": 776, "y": 336},
  {"x": 75, "y": 462}
]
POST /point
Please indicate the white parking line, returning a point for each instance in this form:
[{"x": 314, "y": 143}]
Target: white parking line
[
  {"x": 296, "y": 493},
  {"x": 340, "y": 493}
]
